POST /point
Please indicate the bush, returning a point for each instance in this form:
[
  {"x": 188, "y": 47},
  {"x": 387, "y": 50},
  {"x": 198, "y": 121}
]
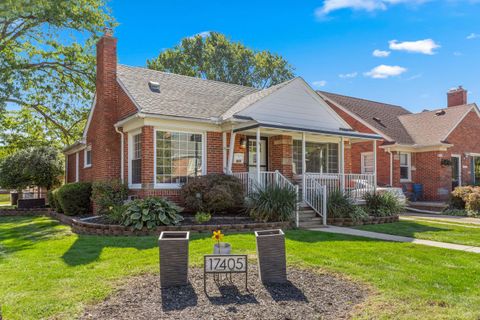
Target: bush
[
  {"x": 272, "y": 204},
  {"x": 74, "y": 198},
  {"x": 53, "y": 200},
  {"x": 382, "y": 205},
  {"x": 115, "y": 213},
  {"x": 213, "y": 193},
  {"x": 467, "y": 198},
  {"x": 107, "y": 194},
  {"x": 201, "y": 217},
  {"x": 151, "y": 212},
  {"x": 340, "y": 205}
]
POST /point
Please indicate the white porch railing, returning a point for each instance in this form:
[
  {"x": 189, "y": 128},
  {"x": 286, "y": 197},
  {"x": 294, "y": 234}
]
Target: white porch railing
[
  {"x": 355, "y": 185},
  {"x": 315, "y": 195},
  {"x": 251, "y": 183}
]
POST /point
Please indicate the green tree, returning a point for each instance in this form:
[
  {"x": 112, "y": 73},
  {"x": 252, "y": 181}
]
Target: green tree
[
  {"x": 40, "y": 166},
  {"x": 47, "y": 64},
  {"x": 215, "y": 57}
]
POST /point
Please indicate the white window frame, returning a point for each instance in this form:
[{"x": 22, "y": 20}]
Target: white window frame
[
  {"x": 459, "y": 168},
  {"x": 131, "y": 150},
  {"x": 362, "y": 162},
  {"x": 85, "y": 164},
  {"x": 204, "y": 156},
  {"x": 409, "y": 166}
]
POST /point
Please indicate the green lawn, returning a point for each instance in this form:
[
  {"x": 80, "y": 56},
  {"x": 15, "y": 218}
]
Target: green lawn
[
  {"x": 45, "y": 270},
  {"x": 467, "y": 234}
]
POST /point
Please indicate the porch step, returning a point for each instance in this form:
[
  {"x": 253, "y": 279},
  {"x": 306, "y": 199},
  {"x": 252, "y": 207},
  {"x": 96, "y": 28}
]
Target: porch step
[{"x": 311, "y": 224}]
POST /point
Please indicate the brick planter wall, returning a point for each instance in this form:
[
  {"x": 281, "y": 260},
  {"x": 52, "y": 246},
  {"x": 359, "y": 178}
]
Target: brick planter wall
[{"x": 370, "y": 220}]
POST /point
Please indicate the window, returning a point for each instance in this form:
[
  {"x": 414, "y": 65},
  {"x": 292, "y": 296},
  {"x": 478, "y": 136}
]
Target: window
[
  {"x": 178, "y": 156},
  {"x": 137, "y": 159},
  {"x": 88, "y": 157},
  {"x": 319, "y": 157},
  {"x": 476, "y": 170},
  {"x": 367, "y": 164},
  {"x": 405, "y": 167}
]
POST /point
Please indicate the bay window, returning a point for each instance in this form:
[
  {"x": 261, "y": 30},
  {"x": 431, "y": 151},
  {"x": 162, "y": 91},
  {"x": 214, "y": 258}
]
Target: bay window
[
  {"x": 179, "y": 155},
  {"x": 405, "y": 166}
]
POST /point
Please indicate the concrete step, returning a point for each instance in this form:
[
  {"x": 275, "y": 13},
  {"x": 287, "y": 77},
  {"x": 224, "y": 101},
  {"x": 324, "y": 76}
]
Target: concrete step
[
  {"x": 309, "y": 215},
  {"x": 310, "y": 225}
]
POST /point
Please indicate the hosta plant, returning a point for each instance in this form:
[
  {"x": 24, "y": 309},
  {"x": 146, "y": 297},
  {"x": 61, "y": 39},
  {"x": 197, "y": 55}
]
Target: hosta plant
[{"x": 151, "y": 212}]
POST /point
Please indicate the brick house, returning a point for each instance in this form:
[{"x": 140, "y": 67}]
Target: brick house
[
  {"x": 155, "y": 130},
  {"x": 438, "y": 149}
]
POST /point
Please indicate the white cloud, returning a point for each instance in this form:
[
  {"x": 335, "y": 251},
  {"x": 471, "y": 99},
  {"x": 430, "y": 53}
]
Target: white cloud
[
  {"x": 364, "y": 5},
  {"x": 472, "y": 36},
  {"x": 426, "y": 46},
  {"x": 380, "y": 53},
  {"x": 384, "y": 71},
  {"x": 348, "y": 75},
  {"x": 415, "y": 76},
  {"x": 202, "y": 34},
  {"x": 320, "y": 83}
]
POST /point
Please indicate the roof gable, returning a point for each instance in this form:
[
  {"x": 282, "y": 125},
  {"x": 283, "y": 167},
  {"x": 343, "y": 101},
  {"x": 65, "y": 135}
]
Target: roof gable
[{"x": 294, "y": 104}]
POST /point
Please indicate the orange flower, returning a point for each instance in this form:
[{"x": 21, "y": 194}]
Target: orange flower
[{"x": 217, "y": 235}]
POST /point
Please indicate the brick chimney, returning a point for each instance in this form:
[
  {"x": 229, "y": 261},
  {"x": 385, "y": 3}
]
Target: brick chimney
[
  {"x": 456, "y": 97},
  {"x": 101, "y": 135}
]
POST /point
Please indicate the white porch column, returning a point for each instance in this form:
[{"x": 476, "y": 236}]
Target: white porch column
[
  {"x": 224, "y": 152},
  {"x": 342, "y": 164},
  {"x": 304, "y": 164},
  {"x": 375, "y": 164},
  {"x": 230, "y": 152},
  {"x": 258, "y": 154}
]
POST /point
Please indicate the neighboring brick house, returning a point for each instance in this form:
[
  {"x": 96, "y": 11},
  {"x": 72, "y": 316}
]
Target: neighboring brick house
[
  {"x": 154, "y": 130},
  {"x": 438, "y": 149}
]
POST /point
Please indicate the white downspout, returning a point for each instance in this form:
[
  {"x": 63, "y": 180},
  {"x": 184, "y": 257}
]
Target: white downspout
[{"x": 121, "y": 154}]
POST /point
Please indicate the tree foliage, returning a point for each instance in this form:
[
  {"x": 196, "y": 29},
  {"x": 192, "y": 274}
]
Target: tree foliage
[
  {"x": 40, "y": 166},
  {"x": 215, "y": 57},
  {"x": 47, "y": 65}
]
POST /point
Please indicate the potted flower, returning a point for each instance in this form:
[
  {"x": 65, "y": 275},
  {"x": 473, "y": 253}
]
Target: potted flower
[{"x": 220, "y": 247}]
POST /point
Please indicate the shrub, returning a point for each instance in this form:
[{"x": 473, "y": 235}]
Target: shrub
[
  {"x": 340, "y": 205},
  {"x": 151, "y": 212},
  {"x": 455, "y": 212},
  {"x": 108, "y": 194},
  {"x": 272, "y": 204},
  {"x": 382, "y": 205},
  {"x": 202, "y": 217},
  {"x": 74, "y": 198},
  {"x": 466, "y": 198},
  {"x": 53, "y": 200},
  {"x": 115, "y": 213},
  {"x": 472, "y": 202},
  {"x": 213, "y": 193}
]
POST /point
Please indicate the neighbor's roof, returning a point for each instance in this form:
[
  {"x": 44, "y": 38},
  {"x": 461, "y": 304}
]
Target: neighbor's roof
[
  {"x": 182, "y": 96},
  {"x": 433, "y": 127},
  {"x": 387, "y": 115}
]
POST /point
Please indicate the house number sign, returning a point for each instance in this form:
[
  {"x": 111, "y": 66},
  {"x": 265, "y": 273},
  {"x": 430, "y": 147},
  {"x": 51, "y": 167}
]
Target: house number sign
[{"x": 218, "y": 264}]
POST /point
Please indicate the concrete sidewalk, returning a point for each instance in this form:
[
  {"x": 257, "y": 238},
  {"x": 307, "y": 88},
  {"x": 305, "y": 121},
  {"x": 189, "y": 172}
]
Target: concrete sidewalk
[
  {"x": 439, "y": 217},
  {"x": 389, "y": 237}
]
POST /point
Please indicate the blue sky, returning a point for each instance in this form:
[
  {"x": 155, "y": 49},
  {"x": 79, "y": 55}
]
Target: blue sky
[{"x": 432, "y": 45}]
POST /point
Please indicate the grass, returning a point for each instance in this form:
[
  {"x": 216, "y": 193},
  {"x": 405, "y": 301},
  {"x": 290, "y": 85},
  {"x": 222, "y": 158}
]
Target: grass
[
  {"x": 4, "y": 199},
  {"x": 467, "y": 234},
  {"x": 47, "y": 271}
]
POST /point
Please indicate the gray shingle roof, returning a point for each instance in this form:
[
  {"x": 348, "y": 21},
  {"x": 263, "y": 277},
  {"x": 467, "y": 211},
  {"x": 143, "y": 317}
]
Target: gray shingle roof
[
  {"x": 387, "y": 114},
  {"x": 432, "y": 127},
  {"x": 179, "y": 95}
]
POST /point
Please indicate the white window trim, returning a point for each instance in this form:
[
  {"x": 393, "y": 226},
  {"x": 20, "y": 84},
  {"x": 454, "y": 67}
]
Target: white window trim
[
  {"x": 459, "y": 167},
  {"x": 362, "y": 162},
  {"x": 77, "y": 166},
  {"x": 204, "y": 156},
  {"x": 409, "y": 165},
  {"x": 130, "y": 157},
  {"x": 85, "y": 165}
]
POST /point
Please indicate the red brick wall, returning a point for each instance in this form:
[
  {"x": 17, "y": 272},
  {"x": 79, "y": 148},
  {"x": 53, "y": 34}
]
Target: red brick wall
[
  {"x": 148, "y": 155},
  {"x": 436, "y": 179},
  {"x": 280, "y": 154},
  {"x": 125, "y": 106},
  {"x": 85, "y": 173},
  {"x": 71, "y": 167},
  {"x": 237, "y": 167},
  {"x": 383, "y": 161},
  {"x": 214, "y": 152}
]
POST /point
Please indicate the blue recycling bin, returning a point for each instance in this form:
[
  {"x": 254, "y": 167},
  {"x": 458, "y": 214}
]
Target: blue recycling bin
[{"x": 417, "y": 191}]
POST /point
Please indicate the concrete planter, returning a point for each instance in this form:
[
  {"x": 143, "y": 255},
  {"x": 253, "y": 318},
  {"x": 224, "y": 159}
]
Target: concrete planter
[
  {"x": 271, "y": 257},
  {"x": 173, "y": 247}
]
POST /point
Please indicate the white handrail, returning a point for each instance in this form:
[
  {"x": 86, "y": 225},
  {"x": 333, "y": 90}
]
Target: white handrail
[
  {"x": 355, "y": 185},
  {"x": 315, "y": 195}
]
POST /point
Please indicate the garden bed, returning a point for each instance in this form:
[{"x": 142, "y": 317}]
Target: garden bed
[
  {"x": 307, "y": 295},
  {"x": 364, "y": 221}
]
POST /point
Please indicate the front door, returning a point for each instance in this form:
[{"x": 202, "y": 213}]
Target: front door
[
  {"x": 455, "y": 172},
  {"x": 252, "y": 154}
]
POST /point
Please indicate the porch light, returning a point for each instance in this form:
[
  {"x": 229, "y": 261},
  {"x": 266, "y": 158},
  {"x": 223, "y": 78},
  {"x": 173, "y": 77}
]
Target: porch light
[{"x": 243, "y": 143}]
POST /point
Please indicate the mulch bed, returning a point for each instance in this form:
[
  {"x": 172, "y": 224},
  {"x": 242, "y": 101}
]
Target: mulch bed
[{"x": 308, "y": 295}]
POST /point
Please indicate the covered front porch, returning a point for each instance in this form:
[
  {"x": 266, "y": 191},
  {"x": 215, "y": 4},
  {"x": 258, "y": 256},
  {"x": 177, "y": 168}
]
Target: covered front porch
[{"x": 314, "y": 163}]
